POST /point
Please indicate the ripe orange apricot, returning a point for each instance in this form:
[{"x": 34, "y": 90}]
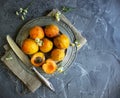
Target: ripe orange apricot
[
  {"x": 36, "y": 32},
  {"x": 38, "y": 59},
  {"x": 57, "y": 54},
  {"x": 51, "y": 31},
  {"x": 29, "y": 46},
  {"x": 62, "y": 41},
  {"x": 49, "y": 67},
  {"x": 47, "y": 45}
]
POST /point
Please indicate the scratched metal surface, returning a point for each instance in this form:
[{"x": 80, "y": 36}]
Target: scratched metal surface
[{"x": 96, "y": 70}]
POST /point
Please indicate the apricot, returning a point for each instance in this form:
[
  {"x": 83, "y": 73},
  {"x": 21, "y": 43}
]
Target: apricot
[
  {"x": 47, "y": 45},
  {"x": 38, "y": 59},
  {"x": 49, "y": 66},
  {"x": 36, "y": 32},
  {"x": 62, "y": 41},
  {"x": 29, "y": 46},
  {"x": 51, "y": 31},
  {"x": 57, "y": 54}
]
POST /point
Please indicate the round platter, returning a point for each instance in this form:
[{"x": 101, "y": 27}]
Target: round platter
[{"x": 64, "y": 28}]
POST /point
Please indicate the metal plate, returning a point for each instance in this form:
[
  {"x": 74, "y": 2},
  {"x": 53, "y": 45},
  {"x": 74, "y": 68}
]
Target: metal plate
[{"x": 64, "y": 28}]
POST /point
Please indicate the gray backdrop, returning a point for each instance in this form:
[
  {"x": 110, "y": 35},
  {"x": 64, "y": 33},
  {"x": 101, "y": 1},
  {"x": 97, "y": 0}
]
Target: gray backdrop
[{"x": 96, "y": 70}]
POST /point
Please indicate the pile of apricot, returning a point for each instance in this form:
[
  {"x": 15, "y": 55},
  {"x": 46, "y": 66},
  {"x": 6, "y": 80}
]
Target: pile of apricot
[{"x": 46, "y": 46}]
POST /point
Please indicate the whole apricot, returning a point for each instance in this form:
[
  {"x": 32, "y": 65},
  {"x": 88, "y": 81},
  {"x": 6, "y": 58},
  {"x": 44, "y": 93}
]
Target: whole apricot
[
  {"x": 49, "y": 66},
  {"x": 58, "y": 54},
  {"x": 36, "y": 32},
  {"x": 38, "y": 59},
  {"x": 29, "y": 46},
  {"x": 62, "y": 41},
  {"x": 47, "y": 45},
  {"x": 51, "y": 30}
]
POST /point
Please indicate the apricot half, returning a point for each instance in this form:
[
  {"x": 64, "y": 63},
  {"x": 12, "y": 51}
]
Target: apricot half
[
  {"x": 51, "y": 31},
  {"x": 62, "y": 41},
  {"x": 36, "y": 32},
  {"x": 29, "y": 46},
  {"x": 47, "y": 45},
  {"x": 49, "y": 67},
  {"x": 57, "y": 54},
  {"x": 38, "y": 59}
]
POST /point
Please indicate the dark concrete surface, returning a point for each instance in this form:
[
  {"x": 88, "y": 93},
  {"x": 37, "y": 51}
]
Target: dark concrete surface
[{"x": 96, "y": 70}]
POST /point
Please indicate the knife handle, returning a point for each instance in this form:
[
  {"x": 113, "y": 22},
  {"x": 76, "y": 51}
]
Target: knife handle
[{"x": 46, "y": 82}]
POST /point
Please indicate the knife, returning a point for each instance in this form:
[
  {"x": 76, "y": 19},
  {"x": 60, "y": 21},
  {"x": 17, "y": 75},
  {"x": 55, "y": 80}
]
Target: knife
[{"x": 24, "y": 58}]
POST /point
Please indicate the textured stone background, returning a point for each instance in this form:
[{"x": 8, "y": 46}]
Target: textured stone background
[{"x": 96, "y": 70}]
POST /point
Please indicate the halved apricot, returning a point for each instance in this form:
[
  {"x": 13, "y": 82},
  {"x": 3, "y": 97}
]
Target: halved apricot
[
  {"x": 51, "y": 30},
  {"x": 38, "y": 59},
  {"x": 47, "y": 45},
  {"x": 29, "y": 46},
  {"x": 49, "y": 67},
  {"x": 36, "y": 32}
]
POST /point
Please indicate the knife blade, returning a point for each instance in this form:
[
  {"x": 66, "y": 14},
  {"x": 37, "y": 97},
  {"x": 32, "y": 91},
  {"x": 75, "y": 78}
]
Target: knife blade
[{"x": 24, "y": 58}]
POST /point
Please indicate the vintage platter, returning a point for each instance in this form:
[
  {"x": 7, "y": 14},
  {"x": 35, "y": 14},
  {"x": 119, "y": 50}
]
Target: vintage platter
[{"x": 64, "y": 28}]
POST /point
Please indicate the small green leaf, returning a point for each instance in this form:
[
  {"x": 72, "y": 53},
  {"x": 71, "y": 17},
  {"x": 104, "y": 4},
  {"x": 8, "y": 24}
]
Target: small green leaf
[
  {"x": 60, "y": 69},
  {"x": 76, "y": 42},
  {"x": 57, "y": 16},
  {"x": 78, "y": 45},
  {"x": 66, "y": 9},
  {"x": 8, "y": 57},
  {"x": 40, "y": 43},
  {"x": 21, "y": 10},
  {"x": 17, "y": 13},
  {"x": 37, "y": 40},
  {"x": 22, "y": 17},
  {"x": 25, "y": 10},
  {"x": 72, "y": 44},
  {"x": 24, "y": 13}
]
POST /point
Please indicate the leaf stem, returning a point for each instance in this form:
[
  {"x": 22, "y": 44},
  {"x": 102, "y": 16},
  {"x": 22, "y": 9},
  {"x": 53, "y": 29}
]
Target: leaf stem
[
  {"x": 65, "y": 9},
  {"x": 29, "y": 4}
]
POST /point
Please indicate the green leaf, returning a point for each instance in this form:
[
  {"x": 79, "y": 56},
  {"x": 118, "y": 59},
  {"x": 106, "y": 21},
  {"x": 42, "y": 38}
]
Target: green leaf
[
  {"x": 66, "y": 9},
  {"x": 17, "y": 13},
  {"x": 22, "y": 17}
]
